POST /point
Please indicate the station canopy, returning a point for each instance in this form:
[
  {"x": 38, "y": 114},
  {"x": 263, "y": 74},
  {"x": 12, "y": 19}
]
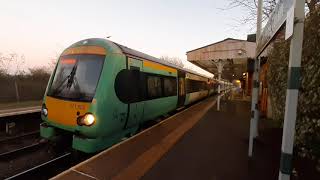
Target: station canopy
[{"x": 235, "y": 53}]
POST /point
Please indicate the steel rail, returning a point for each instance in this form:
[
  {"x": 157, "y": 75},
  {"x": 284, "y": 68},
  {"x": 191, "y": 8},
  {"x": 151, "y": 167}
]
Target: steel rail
[
  {"x": 42, "y": 168},
  {"x": 9, "y": 154},
  {"x": 20, "y": 136}
]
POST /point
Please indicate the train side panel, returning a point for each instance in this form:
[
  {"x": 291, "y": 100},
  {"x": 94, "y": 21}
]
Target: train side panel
[
  {"x": 196, "y": 96},
  {"x": 196, "y": 88},
  {"x": 156, "y": 106}
]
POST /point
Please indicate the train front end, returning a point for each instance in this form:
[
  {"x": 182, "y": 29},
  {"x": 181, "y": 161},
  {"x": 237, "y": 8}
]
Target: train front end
[{"x": 69, "y": 102}]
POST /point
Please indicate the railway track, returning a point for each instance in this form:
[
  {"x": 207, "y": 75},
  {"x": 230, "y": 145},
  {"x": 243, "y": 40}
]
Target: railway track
[
  {"x": 15, "y": 152},
  {"x": 24, "y": 135},
  {"x": 15, "y": 125},
  {"x": 29, "y": 140},
  {"x": 31, "y": 157},
  {"x": 47, "y": 169}
]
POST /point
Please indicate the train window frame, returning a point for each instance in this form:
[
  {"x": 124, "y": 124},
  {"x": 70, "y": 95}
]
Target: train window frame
[
  {"x": 173, "y": 82},
  {"x": 159, "y": 87},
  {"x": 195, "y": 86},
  {"x": 124, "y": 90}
]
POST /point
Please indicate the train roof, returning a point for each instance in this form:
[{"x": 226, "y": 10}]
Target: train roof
[
  {"x": 113, "y": 46},
  {"x": 134, "y": 53}
]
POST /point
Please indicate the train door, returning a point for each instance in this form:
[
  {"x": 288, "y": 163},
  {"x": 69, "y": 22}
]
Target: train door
[
  {"x": 135, "y": 109},
  {"x": 181, "y": 88}
]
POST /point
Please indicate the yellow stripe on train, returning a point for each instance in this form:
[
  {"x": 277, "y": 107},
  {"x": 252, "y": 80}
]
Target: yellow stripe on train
[
  {"x": 65, "y": 112},
  {"x": 158, "y": 66},
  {"x": 85, "y": 50}
]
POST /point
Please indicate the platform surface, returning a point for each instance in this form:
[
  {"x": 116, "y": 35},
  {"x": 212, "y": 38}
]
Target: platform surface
[
  {"x": 216, "y": 148},
  {"x": 19, "y": 111}
]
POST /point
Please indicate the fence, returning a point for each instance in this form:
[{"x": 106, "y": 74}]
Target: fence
[{"x": 28, "y": 89}]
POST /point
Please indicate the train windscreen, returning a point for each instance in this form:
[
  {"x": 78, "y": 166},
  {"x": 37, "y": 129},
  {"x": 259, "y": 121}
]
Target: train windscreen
[{"x": 76, "y": 77}]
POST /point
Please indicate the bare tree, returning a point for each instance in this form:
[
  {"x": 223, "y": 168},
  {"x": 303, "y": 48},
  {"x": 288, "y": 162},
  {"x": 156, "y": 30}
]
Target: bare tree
[
  {"x": 173, "y": 60},
  {"x": 17, "y": 63},
  {"x": 53, "y": 62},
  {"x": 186, "y": 65},
  {"x": 250, "y": 6},
  {"x": 5, "y": 63},
  {"x": 39, "y": 71},
  {"x": 2, "y": 69},
  {"x": 13, "y": 64}
]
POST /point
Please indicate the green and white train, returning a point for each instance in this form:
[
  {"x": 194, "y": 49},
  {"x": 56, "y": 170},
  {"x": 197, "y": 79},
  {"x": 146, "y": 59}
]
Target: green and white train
[{"x": 101, "y": 91}]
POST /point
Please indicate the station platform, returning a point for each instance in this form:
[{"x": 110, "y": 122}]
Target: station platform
[
  {"x": 19, "y": 111},
  {"x": 198, "y": 143},
  {"x": 217, "y": 148}
]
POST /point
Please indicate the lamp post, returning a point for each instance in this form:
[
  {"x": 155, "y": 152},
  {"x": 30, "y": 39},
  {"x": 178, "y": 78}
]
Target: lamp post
[{"x": 219, "y": 63}]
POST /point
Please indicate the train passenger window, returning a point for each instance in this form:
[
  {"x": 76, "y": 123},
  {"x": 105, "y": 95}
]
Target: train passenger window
[
  {"x": 154, "y": 87},
  {"x": 181, "y": 86},
  {"x": 195, "y": 86},
  {"x": 170, "y": 86}
]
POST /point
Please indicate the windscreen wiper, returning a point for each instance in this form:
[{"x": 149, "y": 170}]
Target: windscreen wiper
[
  {"x": 72, "y": 76},
  {"x": 69, "y": 79}
]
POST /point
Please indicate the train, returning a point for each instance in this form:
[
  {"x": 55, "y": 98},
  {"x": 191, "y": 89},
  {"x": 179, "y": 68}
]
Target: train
[{"x": 101, "y": 91}]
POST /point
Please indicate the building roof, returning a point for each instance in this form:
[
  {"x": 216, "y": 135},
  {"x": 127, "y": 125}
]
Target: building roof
[{"x": 216, "y": 43}]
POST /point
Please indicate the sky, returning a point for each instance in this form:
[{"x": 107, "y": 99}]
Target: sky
[{"x": 41, "y": 29}]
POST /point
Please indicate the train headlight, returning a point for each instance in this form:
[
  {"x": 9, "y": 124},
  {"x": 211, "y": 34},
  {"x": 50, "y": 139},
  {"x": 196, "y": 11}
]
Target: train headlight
[
  {"x": 44, "y": 111},
  {"x": 87, "y": 120}
]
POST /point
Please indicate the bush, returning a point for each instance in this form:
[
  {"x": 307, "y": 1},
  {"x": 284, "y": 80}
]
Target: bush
[{"x": 31, "y": 86}]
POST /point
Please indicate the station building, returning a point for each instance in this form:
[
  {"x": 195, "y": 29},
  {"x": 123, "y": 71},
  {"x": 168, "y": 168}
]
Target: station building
[{"x": 237, "y": 56}]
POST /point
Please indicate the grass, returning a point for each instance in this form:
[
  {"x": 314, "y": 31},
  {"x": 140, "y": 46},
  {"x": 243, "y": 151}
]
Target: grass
[{"x": 13, "y": 105}]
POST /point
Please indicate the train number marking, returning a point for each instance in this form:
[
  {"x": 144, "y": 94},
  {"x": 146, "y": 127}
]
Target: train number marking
[{"x": 77, "y": 106}]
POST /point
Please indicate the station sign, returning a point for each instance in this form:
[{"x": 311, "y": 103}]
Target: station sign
[{"x": 276, "y": 20}]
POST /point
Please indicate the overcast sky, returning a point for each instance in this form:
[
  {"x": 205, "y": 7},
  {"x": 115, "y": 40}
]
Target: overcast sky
[{"x": 41, "y": 29}]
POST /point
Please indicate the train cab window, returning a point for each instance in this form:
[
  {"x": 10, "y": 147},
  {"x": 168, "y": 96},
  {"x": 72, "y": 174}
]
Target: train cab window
[
  {"x": 76, "y": 77},
  {"x": 154, "y": 88},
  {"x": 170, "y": 86}
]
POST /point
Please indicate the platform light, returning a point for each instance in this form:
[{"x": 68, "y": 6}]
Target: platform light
[{"x": 244, "y": 74}]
